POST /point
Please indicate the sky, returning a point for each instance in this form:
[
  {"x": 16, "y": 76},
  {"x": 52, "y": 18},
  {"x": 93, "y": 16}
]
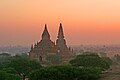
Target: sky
[{"x": 84, "y": 21}]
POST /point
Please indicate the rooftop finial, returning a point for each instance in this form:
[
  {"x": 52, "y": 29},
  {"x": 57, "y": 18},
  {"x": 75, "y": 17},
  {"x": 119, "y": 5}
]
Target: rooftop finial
[
  {"x": 60, "y": 33},
  {"x": 46, "y": 26},
  {"x": 31, "y": 47},
  {"x": 60, "y": 24},
  {"x": 45, "y": 34}
]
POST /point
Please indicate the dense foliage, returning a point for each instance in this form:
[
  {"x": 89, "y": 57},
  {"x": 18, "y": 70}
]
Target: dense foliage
[
  {"x": 4, "y": 62},
  {"x": 24, "y": 65},
  {"x": 91, "y": 60},
  {"x": 83, "y": 67},
  {"x": 7, "y": 76},
  {"x": 65, "y": 73},
  {"x": 108, "y": 60},
  {"x": 19, "y": 65}
]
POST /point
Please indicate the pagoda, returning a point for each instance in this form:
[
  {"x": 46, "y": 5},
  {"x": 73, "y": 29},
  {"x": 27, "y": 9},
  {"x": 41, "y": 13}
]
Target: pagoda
[{"x": 47, "y": 47}]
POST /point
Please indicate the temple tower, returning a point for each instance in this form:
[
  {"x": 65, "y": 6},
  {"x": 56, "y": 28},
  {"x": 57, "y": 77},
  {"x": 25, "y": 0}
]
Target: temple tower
[
  {"x": 45, "y": 35},
  {"x": 63, "y": 50},
  {"x": 43, "y": 48},
  {"x": 46, "y": 47},
  {"x": 61, "y": 43}
]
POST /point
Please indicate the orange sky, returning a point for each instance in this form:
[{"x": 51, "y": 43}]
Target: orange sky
[{"x": 84, "y": 21}]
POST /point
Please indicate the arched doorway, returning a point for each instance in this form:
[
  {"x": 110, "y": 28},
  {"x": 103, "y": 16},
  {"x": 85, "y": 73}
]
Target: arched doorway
[{"x": 40, "y": 58}]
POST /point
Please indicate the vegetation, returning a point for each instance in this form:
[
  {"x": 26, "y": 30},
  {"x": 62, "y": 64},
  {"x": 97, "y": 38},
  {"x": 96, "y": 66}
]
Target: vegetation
[
  {"x": 7, "y": 76},
  {"x": 19, "y": 65},
  {"x": 23, "y": 65},
  {"x": 83, "y": 67},
  {"x": 65, "y": 73},
  {"x": 91, "y": 60},
  {"x": 4, "y": 61},
  {"x": 108, "y": 60}
]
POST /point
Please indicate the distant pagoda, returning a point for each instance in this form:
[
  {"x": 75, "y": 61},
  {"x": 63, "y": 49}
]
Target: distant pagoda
[
  {"x": 62, "y": 48},
  {"x": 47, "y": 47}
]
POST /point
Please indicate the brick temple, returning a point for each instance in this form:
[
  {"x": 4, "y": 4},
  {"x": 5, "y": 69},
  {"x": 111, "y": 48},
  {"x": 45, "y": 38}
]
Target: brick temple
[{"x": 47, "y": 47}]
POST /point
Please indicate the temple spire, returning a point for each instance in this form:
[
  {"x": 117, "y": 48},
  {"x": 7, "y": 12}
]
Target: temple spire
[
  {"x": 60, "y": 33},
  {"x": 32, "y": 47},
  {"x": 60, "y": 42},
  {"x": 45, "y": 35}
]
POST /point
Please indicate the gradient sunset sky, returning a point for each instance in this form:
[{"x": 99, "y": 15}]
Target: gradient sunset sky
[{"x": 84, "y": 21}]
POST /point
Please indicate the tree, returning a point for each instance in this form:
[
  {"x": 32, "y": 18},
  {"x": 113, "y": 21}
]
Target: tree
[
  {"x": 23, "y": 66},
  {"x": 4, "y": 55},
  {"x": 107, "y": 60},
  {"x": 90, "y": 60},
  {"x": 65, "y": 73},
  {"x": 4, "y": 62},
  {"x": 7, "y": 76},
  {"x": 10, "y": 70}
]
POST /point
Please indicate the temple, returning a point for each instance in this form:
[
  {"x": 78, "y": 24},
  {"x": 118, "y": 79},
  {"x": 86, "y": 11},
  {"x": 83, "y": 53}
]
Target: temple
[
  {"x": 62, "y": 48},
  {"x": 47, "y": 47}
]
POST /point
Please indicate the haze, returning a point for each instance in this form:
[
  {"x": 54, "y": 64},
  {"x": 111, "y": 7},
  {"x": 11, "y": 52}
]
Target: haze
[{"x": 84, "y": 21}]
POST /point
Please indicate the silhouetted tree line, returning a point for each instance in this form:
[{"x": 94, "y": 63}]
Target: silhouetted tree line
[
  {"x": 82, "y": 67},
  {"x": 65, "y": 73},
  {"x": 92, "y": 60}
]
